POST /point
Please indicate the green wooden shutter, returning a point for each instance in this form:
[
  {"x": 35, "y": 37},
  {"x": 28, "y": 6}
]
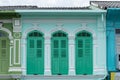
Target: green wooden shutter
[
  {"x": 31, "y": 66},
  {"x": 88, "y": 56},
  {"x": 35, "y": 54},
  {"x": 55, "y": 56},
  {"x": 63, "y": 57},
  {"x": 84, "y": 61},
  {"x": 4, "y": 55},
  {"x": 80, "y": 57},
  {"x": 59, "y": 54},
  {"x": 40, "y": 56}
]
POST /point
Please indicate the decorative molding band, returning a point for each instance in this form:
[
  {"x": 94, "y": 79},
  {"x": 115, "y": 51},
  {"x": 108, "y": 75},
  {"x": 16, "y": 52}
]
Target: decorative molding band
[
  {"x": 69, "y": 77},
  {"x": 99, "y": 69},
  {"x": 38, "y": 20},
  {"x": 14, "y": 69}
]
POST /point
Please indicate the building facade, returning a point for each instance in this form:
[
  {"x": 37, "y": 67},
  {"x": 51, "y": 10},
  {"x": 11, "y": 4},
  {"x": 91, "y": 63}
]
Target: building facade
[
  {"x": 10, "y": 64},
  {"x": 63, "y": 44},
  {"x": 113, "y": 32},
  {"x": 112, "y": 36}
]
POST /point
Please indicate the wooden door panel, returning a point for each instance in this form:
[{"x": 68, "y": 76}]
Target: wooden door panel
[
  {"x": 4, "y": 55},
  {"x": 35, "y": 56},
  {"x": 84, "y": 63}
]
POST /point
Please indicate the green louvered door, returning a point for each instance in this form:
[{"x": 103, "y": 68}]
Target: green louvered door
[
  {"x": 35, "y": 55},
  {"x": 88, "y": 56},
  {"x": 63, "y": 64},
  {"x": 59, "y": 55},
  {"x": 4, "y": 55},
  {"x": 84, "y": 61}
]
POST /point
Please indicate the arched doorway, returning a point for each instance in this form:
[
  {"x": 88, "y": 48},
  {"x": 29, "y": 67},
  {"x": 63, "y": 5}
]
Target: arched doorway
[
  {"x": 4, "y": 52},
  {"x": 84, "y": 53},
  {"x": 35, "y": 53},
  {"x": 59, "y": 53}
]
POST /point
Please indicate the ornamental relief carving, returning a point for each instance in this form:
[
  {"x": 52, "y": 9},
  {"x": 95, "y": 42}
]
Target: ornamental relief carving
[{"x": 17, "y": 35}]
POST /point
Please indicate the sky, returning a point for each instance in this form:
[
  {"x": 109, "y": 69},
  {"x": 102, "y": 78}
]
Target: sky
[{"x": 48, "y": 3}]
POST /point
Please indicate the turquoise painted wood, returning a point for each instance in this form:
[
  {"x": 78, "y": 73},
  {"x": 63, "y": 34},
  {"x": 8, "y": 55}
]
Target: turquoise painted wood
[
  {"x": 59, "y": 53},
  {"x": 112, "y": 23},
  {"x": 84, "y": 62},
  {"x": 35, "y": 53},
  {"x": 4, "y": 53}
]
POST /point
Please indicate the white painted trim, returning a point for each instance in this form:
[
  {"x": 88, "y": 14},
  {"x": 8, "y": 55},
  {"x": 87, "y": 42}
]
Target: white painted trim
[
  {"x": 59, "y": 20},
  {"x": 25, "y": 33},
  {"x": 11, "y": 56},
  {"x": 87, "y": 29},
  {"x": 71, "y": 52},
  {"x": 65, "y": 77},
  {"x": 17, "y": 27},
  {"x": 18, "y": 22},
  {"x": 57, "y": 29},
  {"x": 18, "y": 69},
  {"x": 8, "y": 31},
  {"x": 15, "y": 51},
  {"x": 23, "y": 58},
  {"x": 47, "y": 56}
]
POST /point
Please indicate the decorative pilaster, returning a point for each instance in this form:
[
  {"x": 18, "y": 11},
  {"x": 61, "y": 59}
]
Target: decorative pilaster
[
  {"x": 47, "y": 55},
  {"x": 15, "y": 64},
  {"x": 17, "y": 36},
  {"x": 24, "y": 55},
  {"x": 11, "y": 53},
  {"x": 71, "y": 55}
]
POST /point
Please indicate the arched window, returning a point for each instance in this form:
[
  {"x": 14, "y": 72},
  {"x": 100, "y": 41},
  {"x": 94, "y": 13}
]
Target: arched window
[
  {"x": 35, "y": 53},
  {"x": 84, "y": 53},
  {"x": 35, "y": 34},
  {"x": 4, "y": 52},
  {"x": 59, "y": 53}
]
